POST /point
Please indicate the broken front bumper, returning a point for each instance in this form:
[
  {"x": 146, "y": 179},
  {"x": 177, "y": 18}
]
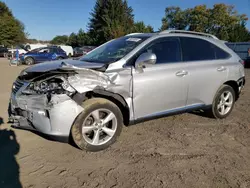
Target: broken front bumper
[{"x": 52, "y": 117}]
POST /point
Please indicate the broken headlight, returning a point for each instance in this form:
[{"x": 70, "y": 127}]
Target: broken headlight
[{"x": 53, "y": 86}]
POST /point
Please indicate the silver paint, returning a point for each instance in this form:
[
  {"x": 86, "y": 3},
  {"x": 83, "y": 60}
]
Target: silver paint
[{"x": 148, "y": 91}]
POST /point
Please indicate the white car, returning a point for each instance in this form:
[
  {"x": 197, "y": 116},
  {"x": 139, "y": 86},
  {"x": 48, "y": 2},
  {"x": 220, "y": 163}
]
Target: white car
[
  {"x": 67, "y": 49},
  {"x": 34, "y": 46},
  {"x": 12, "y": 51}
]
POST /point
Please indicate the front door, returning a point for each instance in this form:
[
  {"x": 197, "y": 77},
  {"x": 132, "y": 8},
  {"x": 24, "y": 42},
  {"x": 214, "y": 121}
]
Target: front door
[{"x": 161, "y": 88}]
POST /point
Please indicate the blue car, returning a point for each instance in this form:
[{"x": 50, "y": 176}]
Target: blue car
[{"x": 40, "y": 55}]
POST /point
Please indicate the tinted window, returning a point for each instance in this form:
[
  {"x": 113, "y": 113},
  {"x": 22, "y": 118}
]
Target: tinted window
[
  {"x": 42, "y": 50},
  {"x": 194, "y": 49},
  {"x": 166, "y": 50},
  {"x": 60, "y": 50},
  {"x": 53, "y": 50},
  {"x": 220, "y": 54}
]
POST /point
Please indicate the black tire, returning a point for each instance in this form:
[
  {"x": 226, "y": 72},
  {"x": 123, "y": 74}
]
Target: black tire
[
  {"x": 29, "y": 61},
  {"x": 214, "y": 111},
  {"x": 90, "y": 106},
  {"x": 59, "y": 58}
]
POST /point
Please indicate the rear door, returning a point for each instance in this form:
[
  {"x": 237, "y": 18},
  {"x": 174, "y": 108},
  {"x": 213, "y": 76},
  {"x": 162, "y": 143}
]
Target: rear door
[{"x": 207, "y": 67}]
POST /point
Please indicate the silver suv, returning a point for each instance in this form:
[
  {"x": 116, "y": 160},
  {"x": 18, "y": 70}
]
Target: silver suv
[{"x": 125, "y": 81}]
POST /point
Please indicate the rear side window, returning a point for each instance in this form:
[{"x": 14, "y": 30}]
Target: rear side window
[
  {"x": 219, "y": 53},
  {"x": 53, "y": 50},
  {"x": 194, "y": 49},
  {"x": 60, "y": 50}
]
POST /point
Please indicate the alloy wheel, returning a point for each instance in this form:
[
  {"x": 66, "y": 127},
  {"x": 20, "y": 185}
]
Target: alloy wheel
[
  {"x": 225, "y": 103},
  {"x": 99, "y": 127}
]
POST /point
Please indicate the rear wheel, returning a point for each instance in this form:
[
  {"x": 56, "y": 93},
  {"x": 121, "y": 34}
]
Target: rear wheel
[
  {"x": 29, "y": 61},
  {"x": 98, "y": 126},
  {"x": 223, "y": 102},
  {"x": 59, "y": 58}
]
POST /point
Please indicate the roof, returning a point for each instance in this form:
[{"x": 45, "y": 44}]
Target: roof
[{"x": 176, "y": 33}]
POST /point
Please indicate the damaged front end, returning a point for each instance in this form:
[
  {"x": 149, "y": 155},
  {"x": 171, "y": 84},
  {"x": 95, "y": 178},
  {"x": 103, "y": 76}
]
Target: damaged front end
[{"x": 48, "y": 102}]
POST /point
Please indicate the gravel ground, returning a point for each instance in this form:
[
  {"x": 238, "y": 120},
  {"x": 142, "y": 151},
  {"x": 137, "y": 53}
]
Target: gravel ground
[{"x": 187, "y": 150}]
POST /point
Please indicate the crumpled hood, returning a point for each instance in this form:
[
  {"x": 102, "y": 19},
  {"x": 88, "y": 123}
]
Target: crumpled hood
[{"x": 55, "y": 65}]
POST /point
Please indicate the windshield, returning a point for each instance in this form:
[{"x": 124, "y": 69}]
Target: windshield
[{"x": 114, "y": 50}]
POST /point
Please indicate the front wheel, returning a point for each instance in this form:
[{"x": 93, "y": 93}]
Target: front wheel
[
  {"x": 98, "y": 126},
  {"x": 223, "y": 102}
]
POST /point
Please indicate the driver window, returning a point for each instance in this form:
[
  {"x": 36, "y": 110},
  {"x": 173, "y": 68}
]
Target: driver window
[
  {"x": 44, "y": 51},
  {"x": 166, "y": 51}
]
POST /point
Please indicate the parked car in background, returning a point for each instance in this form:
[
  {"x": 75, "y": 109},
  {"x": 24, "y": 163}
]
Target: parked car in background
[
  {"x": 242, "y": 49},
  {"x": 3, "y": 51},
  {"x": 67, "y": 49},
  {"x": 30, "y": 47},
  {"x": 12, "y": 51},
  {"x": 40, "y": 55},
  {"x": 91, "y": 99},
  {"x": 80, "y": 51}
]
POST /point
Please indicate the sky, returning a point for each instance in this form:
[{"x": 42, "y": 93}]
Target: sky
[{"x": 44, "y": 19}]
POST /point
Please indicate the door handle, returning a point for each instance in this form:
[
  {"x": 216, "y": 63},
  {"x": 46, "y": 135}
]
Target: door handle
[
  {"x": 181, "y": 73},
  {"x": 220, "y": 69}
]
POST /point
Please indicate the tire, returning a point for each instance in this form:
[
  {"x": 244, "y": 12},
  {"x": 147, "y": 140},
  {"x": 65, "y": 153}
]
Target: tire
[
  {"x": 222, "y": 99},
  {"x": 29, "y": 61},
  {"x": 59, "y": 58},
  {"x": 88, "y": 126}
]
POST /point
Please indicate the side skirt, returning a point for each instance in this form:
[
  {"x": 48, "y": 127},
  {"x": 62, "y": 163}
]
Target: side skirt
[{"x": 170, "y": 113}]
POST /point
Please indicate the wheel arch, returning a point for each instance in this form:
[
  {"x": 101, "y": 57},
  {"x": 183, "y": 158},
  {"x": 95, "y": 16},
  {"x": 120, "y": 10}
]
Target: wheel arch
[
  {"x": 235, "y": 87},
  {"x": 113, "y": 97}
]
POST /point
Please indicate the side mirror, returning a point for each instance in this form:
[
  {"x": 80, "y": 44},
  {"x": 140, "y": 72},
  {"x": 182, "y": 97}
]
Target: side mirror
[{"x": 145, "y": 58}]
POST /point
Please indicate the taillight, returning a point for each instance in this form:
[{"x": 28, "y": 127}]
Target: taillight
[{"x": 242, "y": 62}]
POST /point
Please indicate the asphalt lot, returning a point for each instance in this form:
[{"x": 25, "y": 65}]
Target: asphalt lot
[{"x": 187, "y": 150}]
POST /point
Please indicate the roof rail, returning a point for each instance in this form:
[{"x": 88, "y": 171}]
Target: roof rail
[
  {"x": 133, "y": 34},
  {"x": 189, "y": 32}
]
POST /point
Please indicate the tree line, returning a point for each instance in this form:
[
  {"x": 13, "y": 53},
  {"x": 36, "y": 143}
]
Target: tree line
[
  {"x": 12, "y": 31},
  {"x": 114, "y": 18}
]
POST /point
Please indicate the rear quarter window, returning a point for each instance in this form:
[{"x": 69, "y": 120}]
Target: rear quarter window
[
  {"x": 220, "y": 54},
  {"x": 194, "y": 49}
]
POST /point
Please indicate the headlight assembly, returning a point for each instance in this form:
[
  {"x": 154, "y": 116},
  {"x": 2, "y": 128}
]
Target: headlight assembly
[{"x": 43, "y": 87}]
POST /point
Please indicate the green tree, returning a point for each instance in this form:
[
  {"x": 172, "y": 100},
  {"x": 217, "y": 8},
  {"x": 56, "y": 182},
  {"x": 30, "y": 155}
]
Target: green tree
[
  {"x": 12, "y": 30},
  {"x": 110, "y": 19},
  {"x": 239, "y": 33},
  {"x": 59, "y": 39},
  {"x": 140, "y": 27},
  {"x": 221, "y": 20},
  {"x": 73, "y": 40},
  {"x": 83, "y": 38},
  {"x": 174, "y": 18}
]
